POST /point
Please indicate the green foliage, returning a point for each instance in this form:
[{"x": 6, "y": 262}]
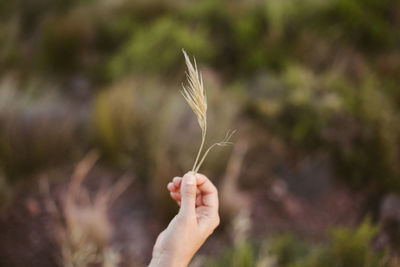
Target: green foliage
[
  {"x": 367, "y": 23},
  {"x": 287, "y": 249},
  {"x": 344, "y": 247},
  {"x": 321, "y": 76},
  {"x": 238, "y": 38},
  {"x": 241, "y": 256},
  {"x": 356, "y": 124},
  {"x": 330, "y": 68},
  {"x": 167, "y": 36},
  {"x": 353, "y": 248},
  {"x": 63, "y": 44},
  {"x": 116, "y": 124}
]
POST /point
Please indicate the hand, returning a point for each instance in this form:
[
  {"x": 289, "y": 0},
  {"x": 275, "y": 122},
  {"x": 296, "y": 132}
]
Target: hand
[{"x": 196, "y": 220}]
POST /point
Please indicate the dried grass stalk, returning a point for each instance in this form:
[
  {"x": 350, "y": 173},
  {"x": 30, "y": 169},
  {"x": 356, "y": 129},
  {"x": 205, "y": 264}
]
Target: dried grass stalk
[
  {"x": 195, "y": 96},
  {"x": 83, "y": 229}
]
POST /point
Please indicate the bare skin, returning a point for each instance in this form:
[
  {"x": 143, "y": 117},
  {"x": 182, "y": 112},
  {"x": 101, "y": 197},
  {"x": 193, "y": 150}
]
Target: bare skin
[{"x": 195, "y": 222}]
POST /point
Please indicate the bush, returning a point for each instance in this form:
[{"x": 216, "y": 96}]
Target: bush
[
  {"x": 346, "y": 248},
  {"x": 118, "y": 125},
  {"x": 167, "y": 36},
  {"x": 36, "y": 132}
]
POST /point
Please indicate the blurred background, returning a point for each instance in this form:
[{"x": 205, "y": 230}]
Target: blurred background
[{"x": 92, "y": 128}]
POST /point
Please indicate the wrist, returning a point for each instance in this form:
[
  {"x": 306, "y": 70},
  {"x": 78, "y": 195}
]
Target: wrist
[{"x": 166, "y": 259}]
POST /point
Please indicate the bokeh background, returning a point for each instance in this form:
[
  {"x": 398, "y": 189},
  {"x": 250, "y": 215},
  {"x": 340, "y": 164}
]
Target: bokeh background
[{"x": 92, "y": 127}]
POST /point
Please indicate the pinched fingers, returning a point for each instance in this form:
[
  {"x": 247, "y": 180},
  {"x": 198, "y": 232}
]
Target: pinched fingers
[
  {"x": 208, "y": 191},
  {"x": 175, "y": 184}
]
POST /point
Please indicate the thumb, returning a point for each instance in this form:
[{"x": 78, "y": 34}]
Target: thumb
[{"x": 188, "y": 194}]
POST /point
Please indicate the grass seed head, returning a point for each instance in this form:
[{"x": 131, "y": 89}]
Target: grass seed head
[{"x": 195, "y": 95}]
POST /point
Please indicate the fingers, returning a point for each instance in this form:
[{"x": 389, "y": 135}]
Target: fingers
[
  {"x": 175, "y": 185},
  {"x": 199, "y": 200},
  {"x": 175, "y": 196},
  {"x": 209, "y": 218},
  {"x": 188, "y": 195},
  {"x": 177, "y": 181},
  {"x": 171, "y": 187},
  {"x": 208, "y": 191}
]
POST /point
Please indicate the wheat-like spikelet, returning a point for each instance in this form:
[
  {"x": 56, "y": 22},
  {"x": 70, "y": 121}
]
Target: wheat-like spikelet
[{"x": 195, "y": 95}]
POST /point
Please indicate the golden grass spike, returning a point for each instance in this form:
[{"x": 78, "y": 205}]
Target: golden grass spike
[{"x": 195, "y": 96}]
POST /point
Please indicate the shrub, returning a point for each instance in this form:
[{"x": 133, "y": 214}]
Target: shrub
[
  {"x": 36, "y": 132},
  {"x": 167, "y": 36}
]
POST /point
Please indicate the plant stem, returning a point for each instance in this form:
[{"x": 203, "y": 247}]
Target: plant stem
[
  {"x": 203, "y": 138},
  {"x": 204, "y": 157}
]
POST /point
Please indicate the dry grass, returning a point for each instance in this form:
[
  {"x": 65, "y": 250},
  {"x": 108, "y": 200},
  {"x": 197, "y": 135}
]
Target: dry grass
[
  {"x": 195, "y": 96},
  {"x": 82, "y": 227}
]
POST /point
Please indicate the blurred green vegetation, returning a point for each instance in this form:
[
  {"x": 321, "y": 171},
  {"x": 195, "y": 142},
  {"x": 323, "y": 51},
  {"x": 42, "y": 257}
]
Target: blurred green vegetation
[
  {"x": 329, "y": 68},
  {"x": 319, "y": 76},
  {"x": 344, "y": 247},
  {"x": 241, "y": 256}
]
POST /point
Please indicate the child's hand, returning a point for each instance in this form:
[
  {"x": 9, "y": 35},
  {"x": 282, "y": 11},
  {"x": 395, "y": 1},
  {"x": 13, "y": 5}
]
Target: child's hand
[{"x": 195, "y": 221}]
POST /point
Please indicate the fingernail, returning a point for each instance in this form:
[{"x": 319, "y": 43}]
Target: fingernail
[{"x": 190, "y": 179}]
